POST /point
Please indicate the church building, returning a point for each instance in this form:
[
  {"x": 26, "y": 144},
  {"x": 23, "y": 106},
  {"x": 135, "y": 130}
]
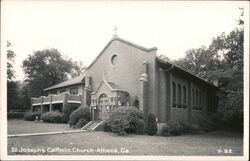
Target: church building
[{"x": 127, "y": 74}]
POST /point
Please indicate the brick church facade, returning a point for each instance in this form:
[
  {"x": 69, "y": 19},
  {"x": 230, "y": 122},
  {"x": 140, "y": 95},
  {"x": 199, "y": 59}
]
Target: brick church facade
[{"x": 127, "y": 74}]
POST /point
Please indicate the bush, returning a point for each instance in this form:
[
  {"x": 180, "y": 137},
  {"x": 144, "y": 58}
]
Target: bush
[
  {"x": 176, "y": 128},
  {"x": 125, "y": 120},
  {"x": 67, "y": 112},
  {"x": 204, "y": 121},
  {"x": 52, "y": 117},
  {"x": 189, "y": 128},
  {"x": 15, "y": 115},
  {"x": 172, "y": 128},
  {"x": 106, "y": 127},
  {"x": 82, "y": 122},
  {"x": 31, "y": 116},
  {"x": 151, "y": 125},
  {"x": 230, "y": 112},
  {"x": 76, "y": 115},
  {"x": 140, "y": 127}
]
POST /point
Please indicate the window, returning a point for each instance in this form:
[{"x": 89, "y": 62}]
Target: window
[
  {"x": 54, "y": 92},
  {"x": 179, "y": 96},
  {"x": 184, "y": 97},
  {"x": 174, "y": 94},
  {"x": 193, "y": 98},
  {"x": 62, "y": 90},
  {"x": 200, "y": 104},
  {"x": 196, "y": 99},
  {"x": 74, "y": 91},
  {"x": 114, "y": 59}
]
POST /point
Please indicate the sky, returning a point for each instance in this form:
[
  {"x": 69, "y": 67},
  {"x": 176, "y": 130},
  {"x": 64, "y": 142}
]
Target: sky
[{"x": 81, "y": 29}]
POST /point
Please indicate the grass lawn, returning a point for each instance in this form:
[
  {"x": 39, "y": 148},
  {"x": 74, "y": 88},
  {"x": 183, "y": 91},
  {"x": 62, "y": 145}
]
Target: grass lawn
[
  {"x": 103, "y": 143},
  {"x": 25, "y": 127}
]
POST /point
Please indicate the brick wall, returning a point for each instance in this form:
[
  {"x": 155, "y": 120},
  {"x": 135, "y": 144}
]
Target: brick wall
[{"x": 127, "y": 72}]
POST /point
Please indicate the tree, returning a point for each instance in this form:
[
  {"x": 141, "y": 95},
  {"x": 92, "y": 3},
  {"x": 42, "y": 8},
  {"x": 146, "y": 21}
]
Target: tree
[
  {"x": 24, "y": 94},
  {"x": 45, "y": 68},
  {"x": 77, "y": 69},
  {"x": 12, "y": 86},
  {"x": 164, "y": 58},
  {"x": 222, "y": 60},
  {"x": 10, "y": 61}
]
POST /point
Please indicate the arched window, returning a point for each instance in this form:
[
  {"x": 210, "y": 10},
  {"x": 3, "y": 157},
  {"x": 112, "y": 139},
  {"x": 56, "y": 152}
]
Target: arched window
[
  {"x": 200, "y": 103},
  {"x": 193, "y": 98},
  {"x": 184, "y": 97},
  {"x": 179, "y": 96},
  {"x": 196, "y": 100},
  {"x": 174, "y": 94}
]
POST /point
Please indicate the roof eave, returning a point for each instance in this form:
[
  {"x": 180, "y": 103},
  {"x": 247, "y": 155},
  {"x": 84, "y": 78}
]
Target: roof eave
[
  {"x": 187, "y": 72},
  {"x": 124, "y": 41}
]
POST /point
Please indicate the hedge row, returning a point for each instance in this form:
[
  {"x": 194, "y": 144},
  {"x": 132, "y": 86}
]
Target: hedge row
[
  {"x": 31, "y": 116},
  {"x": 15, "y": 115}
]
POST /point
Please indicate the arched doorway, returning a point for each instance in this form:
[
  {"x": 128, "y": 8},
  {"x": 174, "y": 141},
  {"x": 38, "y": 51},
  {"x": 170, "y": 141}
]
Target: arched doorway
[{"x": 103, "y": 106}]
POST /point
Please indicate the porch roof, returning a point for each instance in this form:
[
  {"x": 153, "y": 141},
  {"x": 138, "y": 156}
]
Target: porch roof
[{"x": 73, "y": 81}]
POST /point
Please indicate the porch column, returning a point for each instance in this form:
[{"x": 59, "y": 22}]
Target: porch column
[
  {"x": 169, "y": 95},
  {"x": 65, "y": 101},
  {"x": 143, "y": 90},
  {"x": 50, "y": 105},
  {"x": 42, "y": 110}
]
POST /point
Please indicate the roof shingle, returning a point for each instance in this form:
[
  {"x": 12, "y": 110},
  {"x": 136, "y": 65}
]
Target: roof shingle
[{"x": 73, "y": 81}]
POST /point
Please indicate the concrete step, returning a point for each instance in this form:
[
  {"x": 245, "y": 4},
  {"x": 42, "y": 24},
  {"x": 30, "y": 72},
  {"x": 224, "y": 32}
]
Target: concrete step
[{"x": 92, "y": 125}]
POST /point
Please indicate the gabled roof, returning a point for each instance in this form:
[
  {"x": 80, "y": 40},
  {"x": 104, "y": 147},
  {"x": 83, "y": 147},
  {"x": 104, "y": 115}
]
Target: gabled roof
[
  {"x": 111, "y": 86},
  {"x": 73, "y": 81},
  {"x": 123, "y": 41},
  {"x": 179, "y": 69}
]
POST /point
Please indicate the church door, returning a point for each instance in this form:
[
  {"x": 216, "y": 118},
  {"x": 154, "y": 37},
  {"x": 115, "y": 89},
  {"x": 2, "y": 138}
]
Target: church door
[{"x": 103, "y": 107}]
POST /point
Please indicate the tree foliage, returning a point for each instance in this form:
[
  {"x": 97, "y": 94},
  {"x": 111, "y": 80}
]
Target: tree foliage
[
  {"x": 45, "y": 68},
  {"x": 78, "y": 68},
  {"x": 222, "y": 60},
  {"x": 12, "y": 85},
  {"x": 10, "y": 61}
]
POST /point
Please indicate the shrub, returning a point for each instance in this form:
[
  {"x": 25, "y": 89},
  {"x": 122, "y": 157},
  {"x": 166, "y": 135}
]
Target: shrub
[
  {"x": 204, "y": 121},
  {"x": 230, "y": 112},
  {"x": 67, "y": 112},
  {"x": 176, "y": 128},
  {"x": 106, "y": 127},
  {"x": 189, "y": 128},
  {"x": 80, "y": 123},
  {"x": 31, "y": 116},
  {"x": 15, "y": 115},
  {"x": 52, "y": 117},
  {"x": 125, "y": 120},
  {"x": 76, "y": 115},
  {"x": 172, "y": 128},
  {"x": 140, "y": 127},
  {"x": 151, "y": 125}
]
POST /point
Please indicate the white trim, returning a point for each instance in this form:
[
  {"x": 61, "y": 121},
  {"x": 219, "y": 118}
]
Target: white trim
[
  {"x": 35, "y": 104},
  {"x": 53, "y": 102},
  {"x": 86, "y": 125},
  {"x": 45, "y": 103},
  {"x": 97, "y": 125},
  {"x": 74, "y": 102}
]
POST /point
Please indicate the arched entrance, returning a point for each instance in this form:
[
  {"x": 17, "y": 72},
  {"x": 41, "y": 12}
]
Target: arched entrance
[{"x": 103, "y": 106}]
